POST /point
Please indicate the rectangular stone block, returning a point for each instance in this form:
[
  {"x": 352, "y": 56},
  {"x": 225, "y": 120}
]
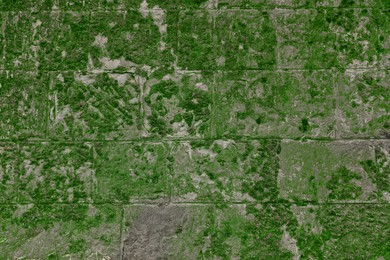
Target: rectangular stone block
[
  {"x": 331, "y": 38},
  {"x": 363, "y": 107},
  {"x": 45, "y": 40},
  {"x": 132, "y": 41},
  {"x": 203, "y": 42},
  {"x": 195, "y": 40},
  {"x": 383, "y": 48},
  {"x": 23, "y": 105},
  {"x": 178, "y": 105},
  {"x": 69, "y": 41},
  {"x": 341, "y": 231},
  {"x": 338, "y": 171},
  {"x": 103, "y": 106},
  {"x": 55, "y": 173},
  {"x": 9, "y": 182},
  {"x": 382, "y": 169},
  {"x": 245, "y": 40},
  {"x": 25, "y": 39},
  {"x": 216, "y": 171},
  {"x": 275, "y": 104}
]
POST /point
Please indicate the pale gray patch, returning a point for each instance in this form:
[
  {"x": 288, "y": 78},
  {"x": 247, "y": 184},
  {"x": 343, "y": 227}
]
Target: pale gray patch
[
  {"x": 143, "y": 9},
  {"x": 152, "y": 231},
  {"x": 100, "y": 41},
  {"x": 290, "y": 244}
]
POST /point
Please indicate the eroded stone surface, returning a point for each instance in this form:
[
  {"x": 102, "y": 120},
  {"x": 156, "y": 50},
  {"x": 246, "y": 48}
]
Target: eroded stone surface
[
  {"x": 328, "y": 171},
  {"x": 207, "y": 129}
]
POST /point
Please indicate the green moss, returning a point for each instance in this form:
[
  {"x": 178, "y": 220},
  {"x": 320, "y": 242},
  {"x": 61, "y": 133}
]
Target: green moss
[
  {"x": 248, "y": 169},
  {"x": 127, "y": 172},
  {"x": 15, "y": 5},
  {"x": 55, "y": 178},
  {"x": 107, "y": 109},
  {"x": 304, "y": 125},
  {"x": 341, "y": 187}
]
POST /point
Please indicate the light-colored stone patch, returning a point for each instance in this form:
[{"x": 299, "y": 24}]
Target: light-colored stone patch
[
  {"x": 85, "y": 79},
  {"x": 201, "y": 179},
  {"x": 148, "y": 85},
  {"x": 39, "y": 245},
  {"x": 180, "y": 129},
  {"x": 100, "y": 41},
  {"x": 35, "y": 172},
  {"x": 307, "y": 218},
  {"x": 112, "y": 64},
  {"x": 70, "y": 194},
  {"x": 60, "y": 78},
  {"x": 188, "y": 196},
  {"x": 143, "y": 9},
  {"x": 206, "y": 152},
  {"x": 158, "y": 16},
  {"x": 58, "y": 114},
  {"x": 17, "y": 63},
  {"x": 221, "y": 61},
  {"x": 35, "y": 48},
  {"x": 224, "y": 143},
  {"x": 202, "y": 86},
  {"x": 237, "y": 196},
  {"x": 21, "y": 210},
  {"x": 327, "y": 3},
  {"x": 120, "y": 78},
  {"x": 211, "y": 4},
  {"x": 290, "y": 244},
  {"x": 88, "y": 176}
]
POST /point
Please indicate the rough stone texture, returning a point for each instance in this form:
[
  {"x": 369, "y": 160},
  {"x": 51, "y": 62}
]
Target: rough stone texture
[{"x": 194, "y": 129}]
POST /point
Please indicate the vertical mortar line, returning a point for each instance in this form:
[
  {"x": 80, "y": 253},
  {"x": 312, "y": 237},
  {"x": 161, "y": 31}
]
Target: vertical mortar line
[
  {"x": 272, "y": 14},
  {"x": 50, "y": 72},
  {"x": 90, "y": 179},
  {"x": 89, "y": 35},
  {"x": 376, "y": 144},
  {"x": 121, "y": 226},
  {"x": 17, "y": 171},
  {"x": 213, "y": 127},
  {"x": 336, "y": 94},
  {"x": 171, "y": 170},
  {"x": 141, "y": 107},
  {"x": 49, "y": 84},
  {"x": 171, "y": 144},
  {"x": 377, "y": 28},
  {"x": 50, "y": 37},
  {"x": 4, "y": 16}
]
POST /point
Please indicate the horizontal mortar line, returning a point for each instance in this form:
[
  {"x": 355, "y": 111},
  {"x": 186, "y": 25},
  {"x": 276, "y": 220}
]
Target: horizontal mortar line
[
  {"x": 197, "y": 70},
  {"x": 248, "y": 9},
  {"x": 281, "y": 69},
  {"x": 260, "y": 9},
  {"x": 298, "y": 203},
  {"x": 189, "y": 140},
  {"x": 194, "y": 203}
]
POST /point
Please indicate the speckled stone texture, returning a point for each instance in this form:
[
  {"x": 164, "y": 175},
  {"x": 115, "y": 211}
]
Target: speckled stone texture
[{"x": 194, "y": 129}]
